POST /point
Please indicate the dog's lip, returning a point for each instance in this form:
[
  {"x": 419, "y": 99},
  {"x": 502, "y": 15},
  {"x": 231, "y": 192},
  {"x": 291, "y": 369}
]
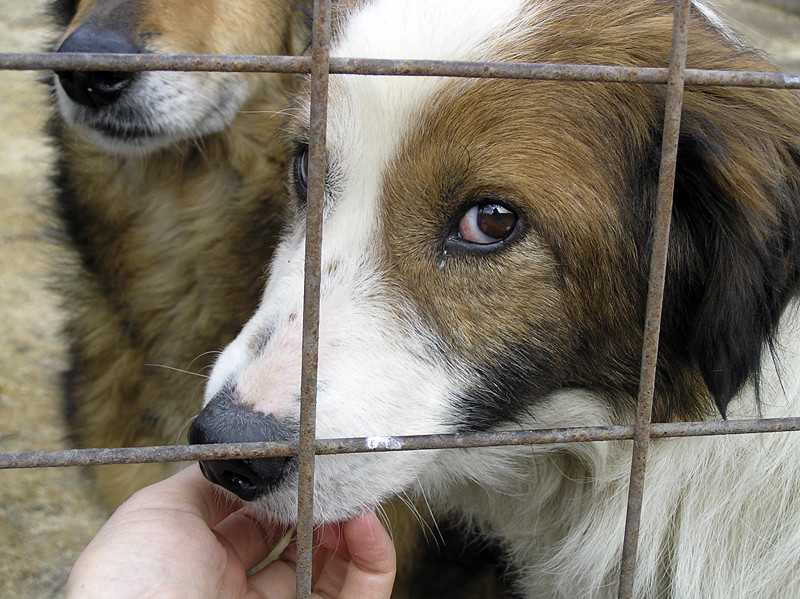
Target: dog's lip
[
  {"x": 124, "y": 133},
  {"x": 111, "y": 124}
]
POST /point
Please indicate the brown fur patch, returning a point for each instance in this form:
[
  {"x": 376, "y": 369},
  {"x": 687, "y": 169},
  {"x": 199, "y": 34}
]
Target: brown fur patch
[
  {"x": 560, "y": 304},
  {"x": 202, "y": 26}
]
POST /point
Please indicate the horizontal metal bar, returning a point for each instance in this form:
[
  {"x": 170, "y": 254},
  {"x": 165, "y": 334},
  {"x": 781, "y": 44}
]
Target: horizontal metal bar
[
  {"x": 360, "y": 66},
  {"x": 186, "y": 453},
  {"x": 88, "y": 61}
]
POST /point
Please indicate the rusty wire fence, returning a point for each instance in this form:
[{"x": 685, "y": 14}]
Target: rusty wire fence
[{"x": 320, "y": 65}]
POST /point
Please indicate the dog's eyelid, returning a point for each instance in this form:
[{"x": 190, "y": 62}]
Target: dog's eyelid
[
  {"x": 484, "y": 224},
  {"x": 299, "y": 144},
  {"x": 299, "y": 172},
  {"x": 456, "y": 245}
]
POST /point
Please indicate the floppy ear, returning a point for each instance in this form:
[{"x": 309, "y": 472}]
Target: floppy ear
[{"x": 735, "y": 253}]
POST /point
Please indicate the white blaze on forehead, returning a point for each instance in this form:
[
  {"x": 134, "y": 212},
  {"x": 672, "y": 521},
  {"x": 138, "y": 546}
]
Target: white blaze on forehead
[
  {"x": 370, "y": 116},
  {"x": 422, "y": 29}
]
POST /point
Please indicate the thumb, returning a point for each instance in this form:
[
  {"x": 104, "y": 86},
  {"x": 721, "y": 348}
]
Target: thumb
[{"x": 372, "y": 567}]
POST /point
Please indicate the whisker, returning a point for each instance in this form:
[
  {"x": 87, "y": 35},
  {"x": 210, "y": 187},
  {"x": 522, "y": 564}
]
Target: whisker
[
  {"x": 270, "y": 113},
  {"x": 431, "y": 526},
  {"x": 186, "y": 425},
  {"x": 181, "y": 370},
  {"x": 204, "y": 354}
]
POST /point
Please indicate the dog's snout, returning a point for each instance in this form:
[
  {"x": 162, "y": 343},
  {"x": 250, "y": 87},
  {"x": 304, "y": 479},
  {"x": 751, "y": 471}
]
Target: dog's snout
[
  {"x": 96, "y": 89},
  {"x": 226, "y": 421},
  {"x": 249, "y": 479}
]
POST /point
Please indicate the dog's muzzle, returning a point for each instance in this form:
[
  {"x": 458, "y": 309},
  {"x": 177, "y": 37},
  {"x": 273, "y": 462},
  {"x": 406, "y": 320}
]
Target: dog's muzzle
[{"x": 225, "y": 421}]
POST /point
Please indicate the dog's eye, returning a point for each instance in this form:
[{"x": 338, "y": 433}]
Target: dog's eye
[
  {"x": 300, "y": 168},
  {"x": 486, "y": 223}
]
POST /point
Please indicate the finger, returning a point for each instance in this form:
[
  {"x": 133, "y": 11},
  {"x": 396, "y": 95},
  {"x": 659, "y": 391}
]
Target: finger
[
  {"x": 372, "y": 568},
  {"x": 331, "y": 537},
  {"x": 370, "y": 571},
  {"x": 250, "y": 538},
  {"x": 370, "y": 546},
  {"x": 331, "y": 559},
  {"x": 277, "y": 580},
  {"x": 188, "y": 491}
]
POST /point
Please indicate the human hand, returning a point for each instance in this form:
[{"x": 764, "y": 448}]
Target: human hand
[{"x": 182, "y": 538}]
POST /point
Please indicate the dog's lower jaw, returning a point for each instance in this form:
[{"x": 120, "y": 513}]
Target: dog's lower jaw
[
  {"x": 344, "y": 486},
  {"x": 146, "y": 119},
  {"x": 467, "y": 481}
]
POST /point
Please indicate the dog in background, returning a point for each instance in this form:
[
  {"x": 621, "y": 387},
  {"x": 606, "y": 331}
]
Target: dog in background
[
  {"x": 171, "y": 190},
  {"x": 484, "y": 267}
]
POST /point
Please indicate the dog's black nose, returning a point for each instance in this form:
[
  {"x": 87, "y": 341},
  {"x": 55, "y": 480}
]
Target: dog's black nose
[
  {"x": 96, "y": 88},
  {"x": 225, "y": 421}
]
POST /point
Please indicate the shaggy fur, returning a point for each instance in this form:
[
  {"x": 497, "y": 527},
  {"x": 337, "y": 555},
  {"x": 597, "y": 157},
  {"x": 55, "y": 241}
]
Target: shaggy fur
[
  {"x": 485, "y": 263},
  {"x": 172, "y": 226}
]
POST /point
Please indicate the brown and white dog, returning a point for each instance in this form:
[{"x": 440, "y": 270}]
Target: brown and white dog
[{"x": 485, "y": 259}]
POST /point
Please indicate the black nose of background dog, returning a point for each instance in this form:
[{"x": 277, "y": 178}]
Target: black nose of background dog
[
  {"x": 96, "y": 89},
  {"x": 225, "y": 421}
]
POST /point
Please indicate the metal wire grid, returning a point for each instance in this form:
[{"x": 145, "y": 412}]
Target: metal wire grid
[{"x": 320, "y": 65}]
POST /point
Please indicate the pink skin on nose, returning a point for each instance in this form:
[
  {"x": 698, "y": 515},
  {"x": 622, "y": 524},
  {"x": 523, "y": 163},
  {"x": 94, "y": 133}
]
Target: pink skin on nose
[{"x": 271, "y": 382}]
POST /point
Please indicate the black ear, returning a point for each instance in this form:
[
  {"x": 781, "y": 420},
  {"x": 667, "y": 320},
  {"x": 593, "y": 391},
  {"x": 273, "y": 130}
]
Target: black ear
[{"x": 735, "y": 251}]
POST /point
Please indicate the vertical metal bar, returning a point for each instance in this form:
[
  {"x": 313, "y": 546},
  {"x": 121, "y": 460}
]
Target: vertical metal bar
[
  {"x": 320, "y": 56},
  {"x": 655, "y": 294}
]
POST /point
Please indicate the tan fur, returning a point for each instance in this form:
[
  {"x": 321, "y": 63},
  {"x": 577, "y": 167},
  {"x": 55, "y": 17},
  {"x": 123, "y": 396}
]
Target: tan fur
[{"x": 177, "y": 240}]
